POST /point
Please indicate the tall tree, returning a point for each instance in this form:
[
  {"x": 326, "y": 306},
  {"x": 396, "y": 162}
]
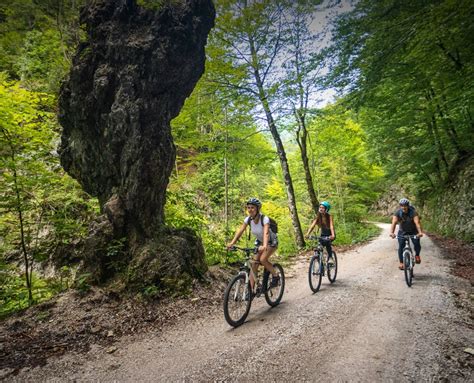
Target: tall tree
[
  {"x": 252, "y": 32},
  {"x": 303, "y": 68}
]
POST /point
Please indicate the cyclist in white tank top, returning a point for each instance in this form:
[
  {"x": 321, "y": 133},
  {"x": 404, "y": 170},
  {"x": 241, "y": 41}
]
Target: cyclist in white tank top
[{"x": 266, "y": 240}]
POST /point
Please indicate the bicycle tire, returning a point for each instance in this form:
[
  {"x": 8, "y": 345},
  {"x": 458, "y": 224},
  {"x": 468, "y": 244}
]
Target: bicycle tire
[
  {"x": 314, "y": 273},
  {"x": 237, "y": 296},
  {"x": 332, "y": 271},
  {"x": 273, "y": 295},
  {"x": 407, "y": 268}
]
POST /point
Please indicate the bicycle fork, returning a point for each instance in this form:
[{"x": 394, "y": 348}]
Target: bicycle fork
[{"x": 320, "y": 264}]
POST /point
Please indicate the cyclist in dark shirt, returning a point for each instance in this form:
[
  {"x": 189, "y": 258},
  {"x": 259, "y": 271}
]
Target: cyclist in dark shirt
[
  {"x": 324, "y": 221},
  {"x": 408, "y": 223}
]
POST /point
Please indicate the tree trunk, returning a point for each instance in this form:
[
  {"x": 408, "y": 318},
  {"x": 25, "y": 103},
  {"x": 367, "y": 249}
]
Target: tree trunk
[
  {"x": 302, "y": 140},
  {"x": 22, "y": 239},
  {"x": 280, "y": 150},
  {"x": 226, "y": 179}
]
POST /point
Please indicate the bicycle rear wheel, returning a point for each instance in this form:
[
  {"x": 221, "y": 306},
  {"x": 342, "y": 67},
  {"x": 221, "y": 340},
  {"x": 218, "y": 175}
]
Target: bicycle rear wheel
[
  {"x": 236, "y": 306},
  {"x": 274, "y": 294},
  {"x": 314, "y": 273},
  {"x": 332, "y": 267},
  {"x": 407, "y": 268}
]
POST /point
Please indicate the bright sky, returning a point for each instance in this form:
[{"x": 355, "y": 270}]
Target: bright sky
[{"x": 323, "y": 15}]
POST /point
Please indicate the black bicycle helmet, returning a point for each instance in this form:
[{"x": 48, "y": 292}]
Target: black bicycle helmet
[{"x": 255, "y": 202}]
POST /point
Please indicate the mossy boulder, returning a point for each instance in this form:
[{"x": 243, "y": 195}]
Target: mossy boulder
[{"x": 170, "y": 262}]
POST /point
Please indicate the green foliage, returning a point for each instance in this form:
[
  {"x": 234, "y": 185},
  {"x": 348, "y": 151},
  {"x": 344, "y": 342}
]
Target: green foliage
[
  {"x": 14, "y": 293},
  {"x": 407, "y": 67},
  {"x": 41, "y": 208},
  {"x": 81, "y": 282},
  {"x": 116, "y": 256},
  {"x": 37, "y": 39},
  {"x": 41, "y": 65},
  {"x": 151, "y": 292},
  {"x": 52, "y": 204}
]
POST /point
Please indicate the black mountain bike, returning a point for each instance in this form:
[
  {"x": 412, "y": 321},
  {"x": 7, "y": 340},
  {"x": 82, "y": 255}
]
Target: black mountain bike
[
  {"x": 238, "y": 295},
  {"x": 408, "y": 259},
  {"x": 321, "y": 264}
]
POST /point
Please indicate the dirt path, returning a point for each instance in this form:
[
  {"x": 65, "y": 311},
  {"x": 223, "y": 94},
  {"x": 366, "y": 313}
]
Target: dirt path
[{"x": 368, "y": 326}]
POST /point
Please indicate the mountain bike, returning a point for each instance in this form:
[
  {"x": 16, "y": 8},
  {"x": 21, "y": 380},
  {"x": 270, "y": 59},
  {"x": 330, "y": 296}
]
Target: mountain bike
[
  {"x": 321, "y": 264},
  {"x": 408, "y": 259},
  {"x": 238, "y": 295}
]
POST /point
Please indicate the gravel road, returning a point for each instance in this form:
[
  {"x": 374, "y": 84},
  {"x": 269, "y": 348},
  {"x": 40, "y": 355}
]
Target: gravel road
[{"x": 367, "y": 326}]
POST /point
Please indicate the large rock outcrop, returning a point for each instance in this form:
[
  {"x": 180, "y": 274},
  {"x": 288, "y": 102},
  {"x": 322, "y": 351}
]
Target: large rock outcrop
[{"x": 129, "y": 79}]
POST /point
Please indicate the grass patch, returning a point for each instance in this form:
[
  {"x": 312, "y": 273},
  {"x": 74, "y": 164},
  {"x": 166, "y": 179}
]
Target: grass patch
[{"x": 356, "y": 232}]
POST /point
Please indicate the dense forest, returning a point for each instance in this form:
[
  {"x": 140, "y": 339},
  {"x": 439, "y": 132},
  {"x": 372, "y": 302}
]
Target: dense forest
[{"x": 258, "y": 123}]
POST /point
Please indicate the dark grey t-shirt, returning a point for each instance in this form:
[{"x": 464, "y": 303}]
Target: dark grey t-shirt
[{"x": 406, "y": 221}]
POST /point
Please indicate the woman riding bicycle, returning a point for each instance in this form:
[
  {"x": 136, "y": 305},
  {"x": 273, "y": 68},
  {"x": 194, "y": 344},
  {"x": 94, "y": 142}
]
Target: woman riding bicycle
[
  {"x": 324, "y": 222},
  {"x": 266, "y": 240},
  {"x": 409, "y": 223}
]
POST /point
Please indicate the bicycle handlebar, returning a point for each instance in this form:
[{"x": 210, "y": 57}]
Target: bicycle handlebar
[
  {"x": 406, "y": 236},
  {"x": 317, "y": 238},
  {"x": 245, "y": 249}
]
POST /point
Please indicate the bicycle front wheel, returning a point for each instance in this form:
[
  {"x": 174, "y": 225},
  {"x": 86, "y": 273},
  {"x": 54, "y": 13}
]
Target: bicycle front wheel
[
  {"x": 237, "y": 301},
  {"x": 273, "y": 294},
  {"x": 407, "y": 268},
  {"x": 332, "y": 267},
  {"x": 315, "y": 274}
]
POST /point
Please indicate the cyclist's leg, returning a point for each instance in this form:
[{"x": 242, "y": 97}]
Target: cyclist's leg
[
  {"x": 255, "y": 264},
  {"x": 255, "y": 270},
  {"x": 417, "y": 247},
  {"x": 264, "y": 259},
  {"x": 328, "y": 246},
  {"x": 401, "y": 245}
]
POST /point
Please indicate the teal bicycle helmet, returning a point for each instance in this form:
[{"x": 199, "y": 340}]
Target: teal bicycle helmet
[{"x": 326, "y": 204}]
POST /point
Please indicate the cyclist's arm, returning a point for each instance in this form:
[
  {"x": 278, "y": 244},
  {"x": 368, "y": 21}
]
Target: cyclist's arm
[
  {"x": 416, "y": 219},
  {"x": 392, "y": 227},
  {"x": 331, "y": 227},
  {"x": 266, "y": 235},
  {"x": 237, "y": 235},
  {"x": 313, "y": 224}
]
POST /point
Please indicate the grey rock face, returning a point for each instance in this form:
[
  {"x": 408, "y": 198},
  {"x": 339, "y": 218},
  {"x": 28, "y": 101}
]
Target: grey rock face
[
  {"x": 451, "y": 210},
  {"x": 128, "y": 80}
]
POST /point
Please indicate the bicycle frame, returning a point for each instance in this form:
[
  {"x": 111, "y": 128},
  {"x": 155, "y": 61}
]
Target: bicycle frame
[
  {"x": 319, "y": 250},
  {"x": 409, "y": 263},
  {"x": 321, "y": 264},
  {"x": 247, "y": 270},
  {"x": 239, "y": 295},
  {"x": 407, "y": 245}
]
